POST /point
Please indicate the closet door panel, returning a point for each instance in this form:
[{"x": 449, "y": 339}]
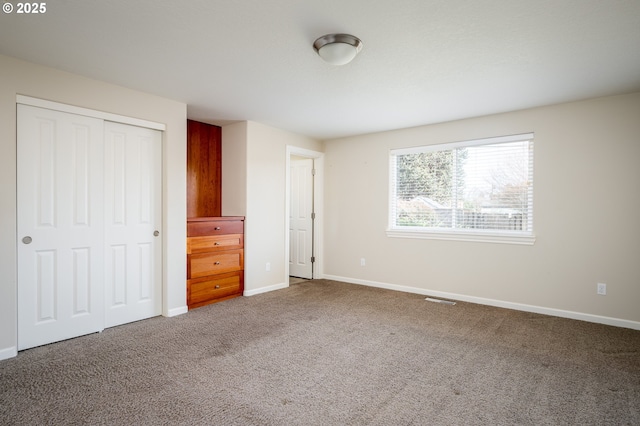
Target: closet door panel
[
  {"x": 60, "y": 226},
  {"x": 134, "y": 251}
]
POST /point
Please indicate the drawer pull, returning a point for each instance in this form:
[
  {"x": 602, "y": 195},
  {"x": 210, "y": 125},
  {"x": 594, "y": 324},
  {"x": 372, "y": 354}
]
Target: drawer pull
[
  {"x": 218, "y": 286},
  {"x": 216, "y": 263},
  {"x": 217, "y": 228},
  {"x": 216, "y": 243}
]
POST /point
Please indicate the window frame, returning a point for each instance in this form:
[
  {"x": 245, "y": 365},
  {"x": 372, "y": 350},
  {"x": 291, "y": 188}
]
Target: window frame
[{"x": 460, "y": 234}]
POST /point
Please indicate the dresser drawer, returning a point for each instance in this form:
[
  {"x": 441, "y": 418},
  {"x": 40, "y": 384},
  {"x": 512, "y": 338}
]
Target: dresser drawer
[
  {"x": 214, "y": 243},
  {"x": 196, "y": 228},
  {"x": 215, "y": 259},
  {"x": 203, "y": 264},
  {"x": 202, "y": 291}
]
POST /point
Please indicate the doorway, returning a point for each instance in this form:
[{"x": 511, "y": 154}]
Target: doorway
[
  {"x": 301, "y": 218},
  {"x": 304, "y": 201}
]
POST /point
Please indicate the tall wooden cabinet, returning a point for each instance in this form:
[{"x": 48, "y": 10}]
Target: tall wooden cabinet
[
  {"x": 215, "y": 244},
  {"x": 204, "y": 170}
]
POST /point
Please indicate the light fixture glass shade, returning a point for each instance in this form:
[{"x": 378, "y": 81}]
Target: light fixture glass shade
[{"x": 337, "y": 49}]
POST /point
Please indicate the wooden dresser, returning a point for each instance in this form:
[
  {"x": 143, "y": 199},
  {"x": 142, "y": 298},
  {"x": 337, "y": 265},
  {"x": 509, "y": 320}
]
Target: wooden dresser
[{"x": 215, "y": 259}]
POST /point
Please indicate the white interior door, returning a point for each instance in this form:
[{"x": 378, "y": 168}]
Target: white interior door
[
  {"x": 60, "y": 226},
  {"x": 133, "y": 259},
  {"x": 301, "y": 220}
]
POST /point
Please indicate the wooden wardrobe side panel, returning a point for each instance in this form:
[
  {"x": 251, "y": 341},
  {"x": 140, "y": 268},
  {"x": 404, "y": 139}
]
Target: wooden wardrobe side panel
[{"x": 204, "y": 169}]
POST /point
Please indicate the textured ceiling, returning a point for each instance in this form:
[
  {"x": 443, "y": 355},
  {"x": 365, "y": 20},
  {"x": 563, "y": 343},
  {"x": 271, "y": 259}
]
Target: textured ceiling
[{"x": 424, "y": 61}]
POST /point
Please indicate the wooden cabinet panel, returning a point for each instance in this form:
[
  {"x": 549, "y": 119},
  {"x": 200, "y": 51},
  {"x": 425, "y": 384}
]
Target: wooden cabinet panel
[{"x": 204, "y": 169}]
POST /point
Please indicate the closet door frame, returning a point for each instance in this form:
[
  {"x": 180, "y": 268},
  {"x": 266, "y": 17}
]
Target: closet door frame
[{"x": 106, "y": 116}]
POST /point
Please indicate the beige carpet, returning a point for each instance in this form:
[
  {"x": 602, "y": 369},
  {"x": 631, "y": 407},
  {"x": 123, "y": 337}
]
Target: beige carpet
[{"x": 329, "y": 353}]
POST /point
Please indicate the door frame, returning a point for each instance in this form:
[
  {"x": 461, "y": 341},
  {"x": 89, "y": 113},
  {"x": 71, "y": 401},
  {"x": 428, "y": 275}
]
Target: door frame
[{"x": 318, "y": 197}]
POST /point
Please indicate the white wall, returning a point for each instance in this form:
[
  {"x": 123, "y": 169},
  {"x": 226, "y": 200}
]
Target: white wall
[
  {"x": 586, "y": 201},
  {"x": 19, "y": 77},
  {"x": 234, "y": 169},
  {"x": 266, "y": 155}
]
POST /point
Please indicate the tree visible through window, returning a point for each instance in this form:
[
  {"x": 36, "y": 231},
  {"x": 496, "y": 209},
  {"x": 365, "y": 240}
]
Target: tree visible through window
[{"x": 475, "y": 186}]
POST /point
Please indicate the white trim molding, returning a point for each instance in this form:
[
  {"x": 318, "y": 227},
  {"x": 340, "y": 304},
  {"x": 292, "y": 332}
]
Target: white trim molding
[
  {"x": 7, "y": 353},
  {"x": 616, "y": 322},
  {"x": 177, "y": 311},
  {"x": 266, "y": 289},
  {"x": 107, "y": 116},
  {"x": 469, "y": 235}
]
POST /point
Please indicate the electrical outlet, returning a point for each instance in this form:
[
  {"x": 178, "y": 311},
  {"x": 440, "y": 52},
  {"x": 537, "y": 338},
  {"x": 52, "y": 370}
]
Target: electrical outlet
[
  {"x": 268, "y": 267},
  {"x": 363, "y": 262},
  {"x": 602, "y": 289}
]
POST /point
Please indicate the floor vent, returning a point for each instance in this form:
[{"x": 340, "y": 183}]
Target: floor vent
[{"x": 446, "y": 302}]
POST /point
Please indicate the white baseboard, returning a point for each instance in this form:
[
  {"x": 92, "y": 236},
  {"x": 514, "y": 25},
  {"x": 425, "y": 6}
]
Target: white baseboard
[
  {"x": 265, "y": 289},
  {"x": 617, "y": 322},
  {"x": 177, "y": 311},
  {"x": 7, "y": 353}
]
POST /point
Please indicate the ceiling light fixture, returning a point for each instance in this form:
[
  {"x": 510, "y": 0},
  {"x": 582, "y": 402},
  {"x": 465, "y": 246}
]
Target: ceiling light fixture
[{"x": 337, "y": 49}]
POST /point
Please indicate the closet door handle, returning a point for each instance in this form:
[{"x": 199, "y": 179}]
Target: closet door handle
[{"x": 27, "y": 240}]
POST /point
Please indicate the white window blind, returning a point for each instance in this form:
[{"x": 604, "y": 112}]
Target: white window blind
[{"x": 475, "y": 189}]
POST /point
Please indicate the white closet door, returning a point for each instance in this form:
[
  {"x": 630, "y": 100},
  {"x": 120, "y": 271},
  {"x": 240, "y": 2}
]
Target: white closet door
[
  {"x": 300, "y": 221},
  {"x": 60, "y": 226},
  {"x": 133, "y": 261}
]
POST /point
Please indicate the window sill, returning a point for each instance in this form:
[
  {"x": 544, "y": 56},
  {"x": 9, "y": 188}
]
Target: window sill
[{"x": 467, "y": 235}]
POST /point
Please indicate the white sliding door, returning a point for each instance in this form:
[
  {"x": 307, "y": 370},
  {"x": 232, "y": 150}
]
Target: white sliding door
[
  {"x": 133, "y": 265},
  {"x": 60, "y": 226},
  {"x": 89, "y": 216}
]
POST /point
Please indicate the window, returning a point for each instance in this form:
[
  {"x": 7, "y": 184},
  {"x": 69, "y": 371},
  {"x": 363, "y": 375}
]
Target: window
[{"x": 479, "y": 190}]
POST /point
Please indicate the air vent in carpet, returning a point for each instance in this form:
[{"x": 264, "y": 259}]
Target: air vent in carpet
[{"x": 446, "y": 302}]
